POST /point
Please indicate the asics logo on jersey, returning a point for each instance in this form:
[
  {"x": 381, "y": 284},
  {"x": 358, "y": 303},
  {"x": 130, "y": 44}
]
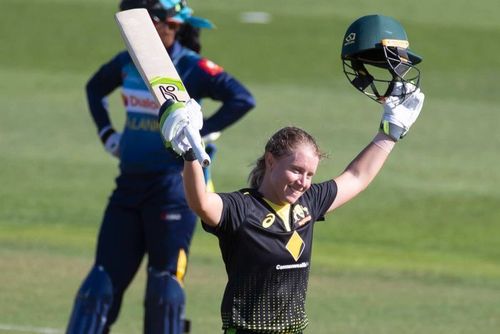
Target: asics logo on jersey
[{"x": 269, "y": 220}]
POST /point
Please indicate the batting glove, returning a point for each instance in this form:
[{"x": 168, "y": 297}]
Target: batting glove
[
  {"x": 399, "y": 115},
  {"x": 174, "y": 118},
  {"x": 211, "y": 137},
  {"x": 111, "y": 141}
]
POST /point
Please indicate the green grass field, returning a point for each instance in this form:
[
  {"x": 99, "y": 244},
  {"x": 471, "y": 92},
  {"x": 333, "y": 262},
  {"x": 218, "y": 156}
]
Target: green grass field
[{"x": 418, "y": 252}]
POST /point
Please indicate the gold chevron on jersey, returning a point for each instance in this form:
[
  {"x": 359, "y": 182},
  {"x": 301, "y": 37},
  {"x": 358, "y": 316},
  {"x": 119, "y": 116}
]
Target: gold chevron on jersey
[{"x": 295, "y": 246}]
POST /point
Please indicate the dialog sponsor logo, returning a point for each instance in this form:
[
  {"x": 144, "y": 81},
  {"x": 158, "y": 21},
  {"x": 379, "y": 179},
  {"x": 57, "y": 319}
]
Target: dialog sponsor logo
[
  {"x": 139, "y": 101},
  {"x": 134, "y": 101}
]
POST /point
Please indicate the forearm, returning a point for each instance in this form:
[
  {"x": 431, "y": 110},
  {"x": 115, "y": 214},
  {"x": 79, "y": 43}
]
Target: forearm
[
  {"x": 194, "y": 185},
  {"x": 398, "y": 117},
  {"x": 207, "y": 205},
  {"x": 370, "y": 160},
  {"x": 363, "y": 169},
  {"x": 102, "y": 83},
  {"x": 97, "y": 108}
]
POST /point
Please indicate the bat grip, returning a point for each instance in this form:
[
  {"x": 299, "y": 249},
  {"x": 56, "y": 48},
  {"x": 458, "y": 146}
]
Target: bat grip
[{"x": 194, "y": 139}]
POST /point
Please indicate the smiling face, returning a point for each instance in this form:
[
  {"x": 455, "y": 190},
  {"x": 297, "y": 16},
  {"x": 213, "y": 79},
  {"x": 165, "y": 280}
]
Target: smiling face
[{"x": 288, "y": 177}]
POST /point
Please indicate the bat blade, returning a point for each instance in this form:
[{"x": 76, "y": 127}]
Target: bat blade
[
  {"x": 154, "y": 64},
  {"x": 150, "y": 56}
]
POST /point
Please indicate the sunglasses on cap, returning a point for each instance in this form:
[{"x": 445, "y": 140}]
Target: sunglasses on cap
[{"x": 163, "y": 16}]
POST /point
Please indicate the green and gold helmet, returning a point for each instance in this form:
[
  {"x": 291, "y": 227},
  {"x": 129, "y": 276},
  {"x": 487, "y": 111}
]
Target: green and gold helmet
[{"x": 376, "y": 55}]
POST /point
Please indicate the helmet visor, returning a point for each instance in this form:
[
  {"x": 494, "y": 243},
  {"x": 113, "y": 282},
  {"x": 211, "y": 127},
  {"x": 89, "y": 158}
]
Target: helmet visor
[{"x": 376, "y": 79}]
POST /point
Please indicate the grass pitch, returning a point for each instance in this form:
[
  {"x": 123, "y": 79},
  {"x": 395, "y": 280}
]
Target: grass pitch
[{"x": 416, "y": 253}]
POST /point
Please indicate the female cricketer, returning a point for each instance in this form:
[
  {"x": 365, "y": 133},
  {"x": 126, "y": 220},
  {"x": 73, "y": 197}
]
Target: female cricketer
[{"x": 265, "y": 231}]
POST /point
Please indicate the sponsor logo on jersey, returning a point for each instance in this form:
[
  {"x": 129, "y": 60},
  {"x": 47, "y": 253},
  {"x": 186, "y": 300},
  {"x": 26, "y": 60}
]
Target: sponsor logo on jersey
[
  {"x": 210, "y": 67},
  {"x": 139, "y": 101},
  {"x": 141, "y": 123},
  {"x": 269, "y": 220},
  {"x": 295, "y": 246},
  {"x": 301, "y": 215},
  {"x": 170, "y": 216},
  {"x": 292, "y": 266}
]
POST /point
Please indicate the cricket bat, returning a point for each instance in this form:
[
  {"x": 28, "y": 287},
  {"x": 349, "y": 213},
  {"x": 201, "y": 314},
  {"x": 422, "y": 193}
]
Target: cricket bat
[{"x": 156, "y": 68}]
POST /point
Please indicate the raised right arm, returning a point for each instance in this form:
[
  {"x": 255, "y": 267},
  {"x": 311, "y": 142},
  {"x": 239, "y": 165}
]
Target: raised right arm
[{"x": 207, "y": 205}]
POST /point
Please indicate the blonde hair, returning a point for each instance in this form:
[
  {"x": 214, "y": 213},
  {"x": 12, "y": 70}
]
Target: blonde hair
[{"x": 281, "y": 144}]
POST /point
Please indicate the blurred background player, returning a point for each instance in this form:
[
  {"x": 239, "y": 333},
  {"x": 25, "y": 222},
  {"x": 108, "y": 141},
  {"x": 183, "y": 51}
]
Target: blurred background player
[{"x": 147, "y": 212}]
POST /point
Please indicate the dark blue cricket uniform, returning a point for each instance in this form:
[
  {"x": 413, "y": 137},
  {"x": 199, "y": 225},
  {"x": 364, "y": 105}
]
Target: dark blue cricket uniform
[{"x": 147, "y": 212}]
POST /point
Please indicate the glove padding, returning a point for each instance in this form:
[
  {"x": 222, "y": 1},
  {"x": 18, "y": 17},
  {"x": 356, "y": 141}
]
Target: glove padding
[
  {"x": 173, "y": 121},
  {"x": 399, "y": 115}
]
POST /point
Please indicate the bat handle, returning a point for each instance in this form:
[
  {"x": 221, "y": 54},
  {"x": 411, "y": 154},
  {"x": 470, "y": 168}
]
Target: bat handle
[{"x": 194, "y": 139}]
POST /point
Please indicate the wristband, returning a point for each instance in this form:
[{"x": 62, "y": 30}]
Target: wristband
[
  {"x": 392, "y": 130},
  {"x": 105, "y": 133},
  {"x": 189, "y": 155}
]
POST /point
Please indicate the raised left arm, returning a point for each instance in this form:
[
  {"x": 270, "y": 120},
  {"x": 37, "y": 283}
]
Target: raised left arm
[
  {"x": 397, "y": 119},
  {"x": 362, "y": 170}
]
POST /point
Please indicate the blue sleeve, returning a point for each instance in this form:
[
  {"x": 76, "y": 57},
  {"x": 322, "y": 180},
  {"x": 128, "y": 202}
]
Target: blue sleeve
[
  {"x": 100, "y": 85},
  {"x": 236, "y": 102},
  {"x": 204, "y": 79}
]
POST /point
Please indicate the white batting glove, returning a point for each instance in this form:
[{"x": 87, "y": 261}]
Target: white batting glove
[
  {"x": 180, "y": 144},
  {"x": 399, "y": 115},
  {"x": 111, "y": 141},
  {"x": 211, "y": 137},
  {"x": 175, "y": 118}
]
